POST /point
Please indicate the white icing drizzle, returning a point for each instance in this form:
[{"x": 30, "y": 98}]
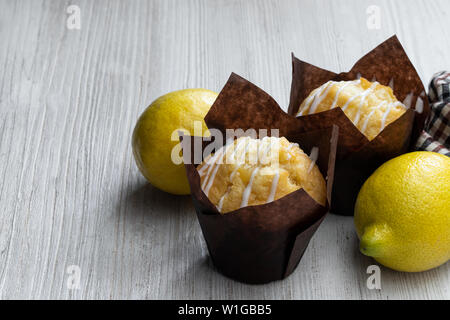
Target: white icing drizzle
[
  {"x": 386, "y": 113},
  {"x": 363, "y": 98},
  {"x": 262, "y": 155},
  {"x": 398, "y": 103},
  {"x": 307, "y": 103},
  {"x": 273, "y": 188},
  {"x": 363, "y": 129},
  {"x": 212, "y": 160},
  {"x": 291, "y": 145},
  {"x": 348, "y": 102},
  {"x": 248, "y": 188},
  {"x": 241, "y": 160},
  {"x": 338, "y": 93},
  {"x": 362, "y": 95},
  {"x": 214, "y": 164},
  {"x": 210, "y": 165},
  {"x": 220, "y": 205},
  {"x": 238, "y": 145},
  {"x": 320, "y": 95},
  {"x": 207, "y": 165},
  {"x": 313, "y": 156},
  {"x": 234, "y": 172},
  {"x": 313, "y": 101},
  {"x": 212, "y": 177},
  {"x": 268, "y": 150}
]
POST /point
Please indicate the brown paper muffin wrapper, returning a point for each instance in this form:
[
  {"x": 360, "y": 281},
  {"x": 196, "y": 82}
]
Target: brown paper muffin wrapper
[
  {"x": 263, "y": 243},
  {"x": 357, "y": 157}
]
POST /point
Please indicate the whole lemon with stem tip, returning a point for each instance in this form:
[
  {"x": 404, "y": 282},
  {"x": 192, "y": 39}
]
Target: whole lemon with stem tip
[
  {"x": 155, "y": 136},
  {"x": 402, "y": 213}
]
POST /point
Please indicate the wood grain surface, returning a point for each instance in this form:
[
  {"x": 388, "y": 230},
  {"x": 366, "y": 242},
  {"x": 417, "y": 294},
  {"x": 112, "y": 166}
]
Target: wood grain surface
[{"x": 70, "y": 192}]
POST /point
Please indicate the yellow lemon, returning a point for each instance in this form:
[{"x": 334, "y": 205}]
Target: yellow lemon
[
  {"x": 156, "y": 135},
  {"x": 402, "y": 213}
]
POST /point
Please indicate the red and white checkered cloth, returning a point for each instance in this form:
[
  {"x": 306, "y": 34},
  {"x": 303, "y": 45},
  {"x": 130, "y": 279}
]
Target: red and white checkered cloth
[{"x": 436, "y": 135}]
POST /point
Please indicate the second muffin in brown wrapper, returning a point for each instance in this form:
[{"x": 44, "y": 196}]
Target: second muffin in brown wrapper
[
  {"x": 357, "y": 157},
  {"x": 264, "y": 243}
]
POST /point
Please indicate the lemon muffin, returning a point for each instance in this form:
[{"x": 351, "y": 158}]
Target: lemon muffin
[
  {"x": 251, "y": 171},
  {"x": 369, "y": 105}
]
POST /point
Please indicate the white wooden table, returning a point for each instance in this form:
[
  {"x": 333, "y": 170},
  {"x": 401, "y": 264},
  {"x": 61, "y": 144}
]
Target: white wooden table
[{"x": 72, "y": 201}]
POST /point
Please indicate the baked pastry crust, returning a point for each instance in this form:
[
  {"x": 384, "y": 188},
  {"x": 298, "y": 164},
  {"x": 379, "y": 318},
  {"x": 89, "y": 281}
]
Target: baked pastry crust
[
  {"x": 250, "y": 172},
  {"x": 371, "y": 106}
]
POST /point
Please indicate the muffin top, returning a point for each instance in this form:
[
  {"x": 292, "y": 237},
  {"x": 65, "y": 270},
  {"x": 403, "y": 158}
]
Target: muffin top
[
  {"x": 369, "y": 105},
  {"x": 251, "y": 171}
]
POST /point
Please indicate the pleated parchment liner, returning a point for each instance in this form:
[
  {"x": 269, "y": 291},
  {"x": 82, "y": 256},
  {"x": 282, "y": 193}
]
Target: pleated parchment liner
[
  {"x": 357, "y": 157},
  {"x": 259, "y": 244}
]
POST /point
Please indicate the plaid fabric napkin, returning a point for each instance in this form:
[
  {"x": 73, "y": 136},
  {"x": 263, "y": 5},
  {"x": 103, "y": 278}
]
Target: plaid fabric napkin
[{"x": 436, "y": 135}]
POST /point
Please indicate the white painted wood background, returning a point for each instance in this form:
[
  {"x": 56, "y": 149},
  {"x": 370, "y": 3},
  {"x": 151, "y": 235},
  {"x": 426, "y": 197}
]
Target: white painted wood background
[{"x": 70, "y": 193}]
